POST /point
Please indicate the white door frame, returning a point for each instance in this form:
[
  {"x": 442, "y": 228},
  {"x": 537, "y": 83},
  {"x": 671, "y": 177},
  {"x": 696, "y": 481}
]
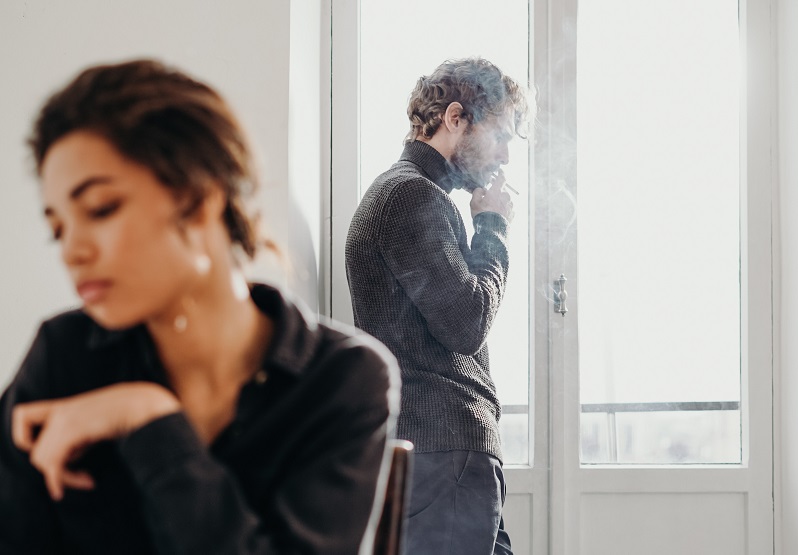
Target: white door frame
[
  {"x": 753, "y": 479},
  {"x": 343, "y": 195}
]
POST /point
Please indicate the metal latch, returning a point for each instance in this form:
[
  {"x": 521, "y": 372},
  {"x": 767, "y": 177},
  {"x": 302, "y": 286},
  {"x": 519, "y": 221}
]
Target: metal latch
[{"x": 561, "y": 295}]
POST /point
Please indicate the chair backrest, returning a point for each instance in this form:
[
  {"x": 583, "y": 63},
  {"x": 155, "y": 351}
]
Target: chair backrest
[{"x": 390, "y": 530}]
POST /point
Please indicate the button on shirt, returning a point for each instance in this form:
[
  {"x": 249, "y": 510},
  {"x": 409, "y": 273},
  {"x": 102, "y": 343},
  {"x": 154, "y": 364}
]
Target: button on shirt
[{"x": 295, "y": 472}]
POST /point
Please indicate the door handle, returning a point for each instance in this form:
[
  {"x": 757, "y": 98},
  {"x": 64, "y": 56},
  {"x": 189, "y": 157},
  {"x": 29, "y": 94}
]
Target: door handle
[{"x": 561, "y": 295}]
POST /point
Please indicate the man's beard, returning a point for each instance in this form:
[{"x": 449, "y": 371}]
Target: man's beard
[{"x": 467, "y": 173}]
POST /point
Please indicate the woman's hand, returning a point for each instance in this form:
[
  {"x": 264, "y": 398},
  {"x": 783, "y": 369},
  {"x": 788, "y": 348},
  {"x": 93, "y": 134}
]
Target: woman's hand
[{"x": 55, "y": 432}]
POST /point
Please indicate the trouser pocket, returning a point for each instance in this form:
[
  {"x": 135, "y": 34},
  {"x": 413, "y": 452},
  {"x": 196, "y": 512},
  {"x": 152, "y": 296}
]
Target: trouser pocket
[{"x": 460, "y": 460}]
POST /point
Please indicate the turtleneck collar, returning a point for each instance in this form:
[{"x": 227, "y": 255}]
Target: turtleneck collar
[{"x": 431, "y": 163}]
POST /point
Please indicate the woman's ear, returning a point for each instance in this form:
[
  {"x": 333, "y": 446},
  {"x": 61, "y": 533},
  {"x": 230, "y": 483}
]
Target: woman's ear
[
  {"x": 193, "y": 211},
  {"x": 200, "y": 227},
  {"x": 213, "y": 204},
  {"x": 453, "y": 118},
  {"x": 210, "y": 208}
]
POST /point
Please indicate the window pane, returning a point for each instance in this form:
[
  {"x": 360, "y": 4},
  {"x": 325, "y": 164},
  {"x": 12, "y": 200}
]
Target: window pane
[
  {"x": 391, "y": 63},
  {"x": 661, "y": 437},
  {"x": 658, "y": 224}
]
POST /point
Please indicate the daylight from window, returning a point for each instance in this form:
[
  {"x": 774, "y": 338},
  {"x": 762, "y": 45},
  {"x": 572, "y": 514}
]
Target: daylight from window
[{"x": 658, "y": 231}]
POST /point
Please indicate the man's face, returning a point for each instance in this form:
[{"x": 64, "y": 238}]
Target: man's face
[{"x": 482, "y": 150}]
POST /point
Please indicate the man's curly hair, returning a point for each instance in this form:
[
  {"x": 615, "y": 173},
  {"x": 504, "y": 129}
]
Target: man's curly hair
[{"x": 481, "y": 87}]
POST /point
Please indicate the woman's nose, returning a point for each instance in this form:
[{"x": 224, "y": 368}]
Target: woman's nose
[{"x": 76, "y": 248}]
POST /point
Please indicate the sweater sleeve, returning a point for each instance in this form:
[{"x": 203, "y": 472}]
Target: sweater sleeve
[
  {"x": 27, "y": 518},
  {"x": 457, "y": 293},
  {"x": 195, "y": 505}
]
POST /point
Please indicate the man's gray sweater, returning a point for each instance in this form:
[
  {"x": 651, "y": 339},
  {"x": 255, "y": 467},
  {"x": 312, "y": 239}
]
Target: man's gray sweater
[{"x": 418, "y": 287}]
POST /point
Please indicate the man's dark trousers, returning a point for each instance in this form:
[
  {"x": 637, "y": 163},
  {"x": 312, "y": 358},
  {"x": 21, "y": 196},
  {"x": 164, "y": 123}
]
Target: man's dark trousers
[{"x": 456, "y": 502}]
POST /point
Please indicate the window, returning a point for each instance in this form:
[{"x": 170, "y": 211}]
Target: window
[
  {"x": 658, "y": 163},
  {"x": 390, "y": 63}
]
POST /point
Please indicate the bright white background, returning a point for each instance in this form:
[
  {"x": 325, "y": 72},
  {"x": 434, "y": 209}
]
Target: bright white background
[{"x": 658, "y": 190}]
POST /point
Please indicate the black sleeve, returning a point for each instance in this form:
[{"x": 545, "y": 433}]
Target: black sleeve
[
  {"x": 458, "y": 297},
  {"x": 194, "y": 505},
  {"x": 27, "y": 518}
]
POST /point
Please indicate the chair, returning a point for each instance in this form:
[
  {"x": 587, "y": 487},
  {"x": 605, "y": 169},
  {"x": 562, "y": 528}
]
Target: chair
[{"x": 390, "y": 529}]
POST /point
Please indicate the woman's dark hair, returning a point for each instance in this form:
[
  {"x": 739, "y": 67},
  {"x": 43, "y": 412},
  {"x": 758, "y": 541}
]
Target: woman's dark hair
[{"x": 179, "y": 128}]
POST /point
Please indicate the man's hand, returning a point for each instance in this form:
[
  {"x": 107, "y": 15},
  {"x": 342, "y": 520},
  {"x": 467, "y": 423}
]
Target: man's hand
[
  {"x": 495, "y": 199},
  {"x": 55, "y": 432}
]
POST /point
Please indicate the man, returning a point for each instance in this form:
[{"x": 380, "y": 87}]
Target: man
[{"x": 418, "y": 287}]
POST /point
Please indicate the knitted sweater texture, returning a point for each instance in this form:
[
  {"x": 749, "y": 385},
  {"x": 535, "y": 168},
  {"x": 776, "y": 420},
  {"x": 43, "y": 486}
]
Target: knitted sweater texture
[{"x": 418, "y": 287}]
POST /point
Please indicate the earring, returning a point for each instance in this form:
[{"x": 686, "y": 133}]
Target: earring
[
  {"x": 202, "y": 263},
  {"x": 181, "y": 323}
]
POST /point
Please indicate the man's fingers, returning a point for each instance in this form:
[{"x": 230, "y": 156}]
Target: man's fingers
[
  {"x": 478, "y": 193},
  {"x": 25, "y": 420},
  {"x": 495, "y": 188}
]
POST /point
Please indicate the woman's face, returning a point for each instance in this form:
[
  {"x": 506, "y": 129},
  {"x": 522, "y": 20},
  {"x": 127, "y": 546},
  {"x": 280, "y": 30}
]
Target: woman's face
[{"x": 119, "y": 232}]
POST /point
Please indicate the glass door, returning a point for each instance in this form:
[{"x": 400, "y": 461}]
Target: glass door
[
  {"x": 658, "y": 172},
  {"x": 660, "y": 369},
  {"x": 633, "y": 355}
]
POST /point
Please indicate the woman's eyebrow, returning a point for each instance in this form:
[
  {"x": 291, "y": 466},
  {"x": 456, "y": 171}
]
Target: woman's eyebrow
[{"x": 82, "y": 187}]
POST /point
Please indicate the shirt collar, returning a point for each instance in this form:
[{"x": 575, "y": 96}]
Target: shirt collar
[
  {"x": 296, "y": 333},
  {"x": 431, "y": 162}
]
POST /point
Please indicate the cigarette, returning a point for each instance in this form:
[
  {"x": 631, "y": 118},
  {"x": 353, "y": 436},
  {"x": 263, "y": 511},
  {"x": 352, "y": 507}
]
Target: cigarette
[{"x": 507, "y": 185}]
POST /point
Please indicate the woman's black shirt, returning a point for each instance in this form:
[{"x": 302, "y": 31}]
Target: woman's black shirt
[{"x": 295, "y": 472}]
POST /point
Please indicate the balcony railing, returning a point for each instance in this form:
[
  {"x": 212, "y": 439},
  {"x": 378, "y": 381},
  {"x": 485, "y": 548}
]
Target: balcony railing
[{"x": 612, "y": 409}]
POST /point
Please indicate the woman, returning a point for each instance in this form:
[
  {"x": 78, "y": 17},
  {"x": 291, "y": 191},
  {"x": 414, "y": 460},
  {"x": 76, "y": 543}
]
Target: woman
[{"x": 181, "y": 410}]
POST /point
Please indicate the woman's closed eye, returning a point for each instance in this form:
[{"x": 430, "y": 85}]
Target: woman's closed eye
[
  {"x": 99, "y": 212},
  {"x": 104, "y": 210}
]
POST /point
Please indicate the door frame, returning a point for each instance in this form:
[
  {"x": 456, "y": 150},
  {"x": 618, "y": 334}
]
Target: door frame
[{"x": 554, "y": 430}]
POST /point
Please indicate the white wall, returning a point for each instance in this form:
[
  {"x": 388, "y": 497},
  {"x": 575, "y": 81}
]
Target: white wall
[
  {"x": 787, "y": 212},
  {"x": 241, "y": 47},
  {"x": 305, "y": 171}
]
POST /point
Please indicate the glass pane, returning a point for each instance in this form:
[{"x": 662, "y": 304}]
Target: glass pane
[
  {"x": 659, "y": 233},
  {"x": 672, "y": 437},
  {"x": 390, "y": 65}
]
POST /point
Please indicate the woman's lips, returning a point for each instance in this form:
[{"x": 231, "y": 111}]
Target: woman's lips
[{"x": 93, "y": 291}]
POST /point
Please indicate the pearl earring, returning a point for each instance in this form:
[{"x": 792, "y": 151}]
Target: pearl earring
[
  {"x": 181, "y": 323},
  {"x": 202, "y": 263}
]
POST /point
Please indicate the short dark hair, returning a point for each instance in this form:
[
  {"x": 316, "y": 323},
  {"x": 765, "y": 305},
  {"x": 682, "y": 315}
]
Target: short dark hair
[
  {"x": 477, "y": 84},
  {"x": 179, "y": 128}
]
